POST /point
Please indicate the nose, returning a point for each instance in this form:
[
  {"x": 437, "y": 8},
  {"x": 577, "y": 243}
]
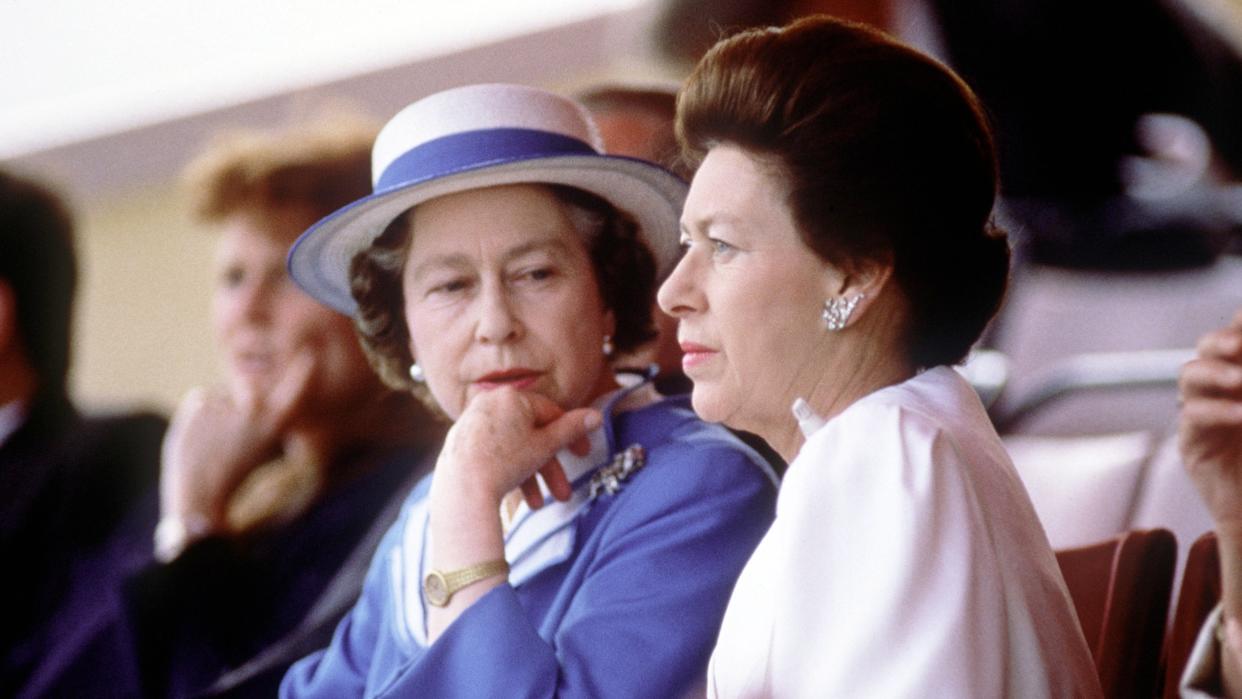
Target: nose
[
  {"x": 240, "y": 304},
  {"x": 498, "y": 323},
  {"x": 254, "y": 302},
  {"x": 679, "y": 295}
]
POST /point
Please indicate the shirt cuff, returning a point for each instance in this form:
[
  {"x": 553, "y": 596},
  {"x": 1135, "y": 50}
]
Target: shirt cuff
[{"x": 1202, "y": 676}]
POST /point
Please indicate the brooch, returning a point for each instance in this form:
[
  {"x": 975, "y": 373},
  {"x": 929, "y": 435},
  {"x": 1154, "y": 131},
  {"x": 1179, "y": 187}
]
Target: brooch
[{"x": 609, "y": 479}]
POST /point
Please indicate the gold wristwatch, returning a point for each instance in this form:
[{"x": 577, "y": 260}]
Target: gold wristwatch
[{"x": 439, "y": 587}]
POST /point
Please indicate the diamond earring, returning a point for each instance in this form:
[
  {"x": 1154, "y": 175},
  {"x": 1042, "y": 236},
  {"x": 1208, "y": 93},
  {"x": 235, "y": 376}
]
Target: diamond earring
[
  {"x": 416, "y": 373},
  {"x": 837, "y": 311},
  {"x": 608, "y": 348}
]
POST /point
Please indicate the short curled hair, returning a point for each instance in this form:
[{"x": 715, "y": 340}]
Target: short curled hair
[
  {"x": 625, "y": 272},
  {"x": 887, "y": 154},
  {"x": 322, "y": 163}
]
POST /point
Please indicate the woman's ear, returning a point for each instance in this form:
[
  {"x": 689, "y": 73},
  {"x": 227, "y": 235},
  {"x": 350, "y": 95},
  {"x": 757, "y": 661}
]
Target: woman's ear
[{"x": 861, "y": 286}]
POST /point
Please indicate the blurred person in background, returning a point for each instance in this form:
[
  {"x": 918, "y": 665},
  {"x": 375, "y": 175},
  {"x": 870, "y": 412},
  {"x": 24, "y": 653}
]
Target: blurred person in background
[
  {"x": 276, "y": 484},
  {"x": 67, "y": 480},
  {"x": 637, "y": 122}
]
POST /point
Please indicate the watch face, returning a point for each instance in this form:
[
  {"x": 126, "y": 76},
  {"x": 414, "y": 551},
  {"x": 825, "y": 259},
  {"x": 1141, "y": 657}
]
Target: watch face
[{"x": 435, "y": 589}]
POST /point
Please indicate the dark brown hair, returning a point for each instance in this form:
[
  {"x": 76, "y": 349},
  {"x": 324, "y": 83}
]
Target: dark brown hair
[
  {"x": 39, "y": 264},
  {"x": 624, "y": 267},
  {"x": 887, "y": 155}
]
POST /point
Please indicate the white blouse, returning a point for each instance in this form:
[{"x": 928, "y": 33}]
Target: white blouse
[{"x": 905, "y": 560}]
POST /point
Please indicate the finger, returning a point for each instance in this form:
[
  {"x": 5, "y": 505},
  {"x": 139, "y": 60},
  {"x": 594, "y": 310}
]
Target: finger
[
  {"x": 1233, "y": 637},
  {"x": 1212, "y": 414},
  {"x": 184, "y": 417},
  {"x": 290, "y": 390},
  {"x": 563, "y": 428},
  {"x": 189, "y": 406},
  {"x": 543, "y": 409},
  {"x": 1210, "y": 378},
  {"x": 1225, "y": 343},
  {"x": 581, "y": 446},
  {"x": 558, "y": 483},
  {"x": 170, "y": 472},
  {"x": 532, "y": 494},
  {"x": 241, "y": 392},
  {"x": 571, "y": 427}
]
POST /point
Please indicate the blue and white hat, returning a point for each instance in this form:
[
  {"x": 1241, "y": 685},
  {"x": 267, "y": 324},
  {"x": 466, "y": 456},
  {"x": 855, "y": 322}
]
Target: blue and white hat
[{"x": 482, "y": 136}]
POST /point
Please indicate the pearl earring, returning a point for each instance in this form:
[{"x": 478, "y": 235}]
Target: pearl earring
[
  {"x": 837, "y": 311},
  {"x": 416, "y": 373},
  {"x": 608, "y": 348}
]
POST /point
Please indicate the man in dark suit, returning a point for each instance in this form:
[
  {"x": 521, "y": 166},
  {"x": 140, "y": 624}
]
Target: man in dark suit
[{"x": 66, "y": 481}]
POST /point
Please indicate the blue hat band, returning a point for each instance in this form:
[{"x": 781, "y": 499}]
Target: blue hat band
[{"x": 473, "y": 149}]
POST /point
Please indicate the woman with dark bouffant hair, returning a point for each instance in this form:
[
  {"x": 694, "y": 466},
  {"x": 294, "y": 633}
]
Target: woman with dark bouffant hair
[{"x": 839, "y": 258}]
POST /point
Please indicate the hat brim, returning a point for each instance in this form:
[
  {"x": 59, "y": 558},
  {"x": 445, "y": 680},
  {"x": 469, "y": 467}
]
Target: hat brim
[{"x": 319, "y": 260}]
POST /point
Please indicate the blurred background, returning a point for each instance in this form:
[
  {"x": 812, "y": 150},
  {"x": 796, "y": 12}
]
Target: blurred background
[
  {"x": 1119, "y": 131},
  {"x": 107, "y": 102},
  {"x": 1120, "y": 128}
]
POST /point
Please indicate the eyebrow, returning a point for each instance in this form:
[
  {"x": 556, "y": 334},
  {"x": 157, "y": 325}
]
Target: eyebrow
[
  {"x": 711, "y": 219},
  {"x": 555, "y": 246}
]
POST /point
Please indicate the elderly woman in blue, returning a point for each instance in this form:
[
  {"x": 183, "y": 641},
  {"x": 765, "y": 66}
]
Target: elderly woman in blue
[{"x": 499, "y": 264}]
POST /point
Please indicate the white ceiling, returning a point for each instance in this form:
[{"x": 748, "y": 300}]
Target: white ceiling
[
  {"x": 100, "y": 98},
  {"x": 72, "y": 70}
]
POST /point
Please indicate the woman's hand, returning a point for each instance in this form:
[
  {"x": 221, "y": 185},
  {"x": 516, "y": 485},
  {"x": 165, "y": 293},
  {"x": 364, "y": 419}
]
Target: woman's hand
[
  {"x": 501, "y": 441},
  {"x": 504, "y": 437},
  {"x": 217, "y": 437},
  {"x": 1210, "y": 437},
  {"x": 1210, "y": 431}
]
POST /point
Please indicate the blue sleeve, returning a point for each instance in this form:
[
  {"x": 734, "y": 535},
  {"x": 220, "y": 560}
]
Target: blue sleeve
[
  {"x": 341, "y": 669},
  {"x": 642, "y": 621}
]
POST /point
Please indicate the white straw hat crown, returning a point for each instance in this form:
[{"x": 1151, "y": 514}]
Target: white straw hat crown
[{"x": 481, "y": 136}]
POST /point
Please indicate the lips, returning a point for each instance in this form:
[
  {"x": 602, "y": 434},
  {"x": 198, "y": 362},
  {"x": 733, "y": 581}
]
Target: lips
[
  {"x": 694, "y": 354},
  {"x": 519, "y": 378}
]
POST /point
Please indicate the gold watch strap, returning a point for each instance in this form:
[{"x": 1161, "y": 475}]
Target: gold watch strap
[{"x": 439, "y": 587}]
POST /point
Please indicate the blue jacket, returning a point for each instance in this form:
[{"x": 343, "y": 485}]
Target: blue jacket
[{"x": 613, "y": 594}]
